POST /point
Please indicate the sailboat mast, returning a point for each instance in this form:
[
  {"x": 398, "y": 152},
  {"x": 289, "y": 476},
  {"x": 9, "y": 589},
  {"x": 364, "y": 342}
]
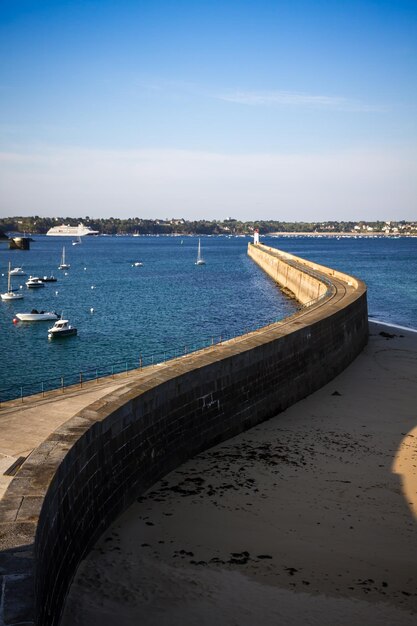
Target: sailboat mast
[{"x": 9, "y": 282}]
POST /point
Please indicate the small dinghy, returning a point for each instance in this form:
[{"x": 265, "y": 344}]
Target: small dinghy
[{"x": 48, "y": 279}]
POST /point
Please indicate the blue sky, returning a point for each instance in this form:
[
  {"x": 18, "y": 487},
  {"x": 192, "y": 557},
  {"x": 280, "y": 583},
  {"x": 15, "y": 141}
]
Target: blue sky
[{"x": 294, "y": 110}]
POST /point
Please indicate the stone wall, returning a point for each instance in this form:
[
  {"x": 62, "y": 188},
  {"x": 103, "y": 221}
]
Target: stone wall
[{"x": 89, "y": 470}]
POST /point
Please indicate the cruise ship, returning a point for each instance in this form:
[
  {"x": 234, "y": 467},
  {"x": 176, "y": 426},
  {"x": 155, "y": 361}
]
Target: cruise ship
[{"x": 65, "y": 230}]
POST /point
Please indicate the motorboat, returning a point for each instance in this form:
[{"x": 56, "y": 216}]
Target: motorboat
[
  {"x": 34, "y": 282},
  {"x": 48, "y": 279},
  {"x": 37, "y": 316},
  {"x": 200, "y": 260},
  {"x": 63, "y": 265},
  {"x": 137, "y": 264},
  {"x": 61, "y": 328},
  {"x": 10, "y": 294},
  {"x": 17, "y": 271}
]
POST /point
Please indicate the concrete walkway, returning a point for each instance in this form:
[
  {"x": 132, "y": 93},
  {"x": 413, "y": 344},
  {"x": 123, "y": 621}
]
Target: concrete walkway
[{"x": 23, "y": 426}]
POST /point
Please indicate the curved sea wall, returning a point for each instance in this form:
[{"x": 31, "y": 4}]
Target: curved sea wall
[{"x": 90, "y": 469}]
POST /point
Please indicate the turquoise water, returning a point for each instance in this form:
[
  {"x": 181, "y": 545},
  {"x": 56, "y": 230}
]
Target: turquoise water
[{"x": 170, "y": 305}]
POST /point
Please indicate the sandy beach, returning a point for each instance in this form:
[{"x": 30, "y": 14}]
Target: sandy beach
[{"x": 307, "y": 519}]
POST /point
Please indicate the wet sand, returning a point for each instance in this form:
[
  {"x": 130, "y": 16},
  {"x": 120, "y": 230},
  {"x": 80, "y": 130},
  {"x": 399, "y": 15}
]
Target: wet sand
[{"x": 308, "y": 519}]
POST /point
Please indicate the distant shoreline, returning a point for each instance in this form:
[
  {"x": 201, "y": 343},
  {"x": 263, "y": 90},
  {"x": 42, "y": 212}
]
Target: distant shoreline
[
  {"x": 341, "y": 235},
  {"x": 336, "y": 234}
]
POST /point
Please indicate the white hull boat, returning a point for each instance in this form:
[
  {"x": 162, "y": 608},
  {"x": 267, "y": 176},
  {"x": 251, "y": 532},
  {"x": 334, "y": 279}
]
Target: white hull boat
[
  {"x": 65, "y": 230},
  {"x": 63, "y": 265},
  {"x": 34, "y": 282},
  {"x": 17, "y": 271},
  {"x": 10, "y": 294},
  {"x": 35, "y": 316}
]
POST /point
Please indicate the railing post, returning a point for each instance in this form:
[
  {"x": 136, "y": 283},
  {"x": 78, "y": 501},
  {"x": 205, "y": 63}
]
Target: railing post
[{"x": 167, "y": 354}]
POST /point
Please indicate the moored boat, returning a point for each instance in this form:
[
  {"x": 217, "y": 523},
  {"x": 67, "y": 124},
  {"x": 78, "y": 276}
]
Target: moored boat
[
  {"x": 63, "y": 265},
  {"x": 37, "y": 316},
  {"x": 61, "y": 328},
  {"x": 200, "y": 260},
  {"x": 34, "y": 282},
  {"x": 17, "y": 271},
  {"x": 10, "y": 294},
  {"x": 48, "y": 279}
]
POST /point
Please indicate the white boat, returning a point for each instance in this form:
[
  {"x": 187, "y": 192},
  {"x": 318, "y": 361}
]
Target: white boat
[
  {"x": 10, "y": 294},
  {"x": 61, "y": 328},
  {"x": 65, "y": 230},
  {"x": 63, "y": 265},
  {"x": 137, "y": 264},
  {"x": 37, "y": 316},
  {"x": 200, "y": 260},
  {"x": 17, "y": 271},
  {"x": 34, "y": 282},
  {"x": 77, "y": 241}
]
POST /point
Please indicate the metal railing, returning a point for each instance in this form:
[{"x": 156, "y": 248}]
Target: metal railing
[{"x": 100, "y": 372}]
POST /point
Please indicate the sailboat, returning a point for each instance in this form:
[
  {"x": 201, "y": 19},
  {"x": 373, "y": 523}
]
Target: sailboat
[
  {"x": 200, "y": 260},
  {"x": 63, "y": 265},
  {"x": 77, "y": 241},
  {"x": 10, "y": 294}
]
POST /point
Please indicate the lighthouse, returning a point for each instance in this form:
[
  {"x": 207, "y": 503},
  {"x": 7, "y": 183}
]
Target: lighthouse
[{"x": 255, "y": 237}]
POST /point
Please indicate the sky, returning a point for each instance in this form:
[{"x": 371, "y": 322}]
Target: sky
[{"x": 294, "y": 110}]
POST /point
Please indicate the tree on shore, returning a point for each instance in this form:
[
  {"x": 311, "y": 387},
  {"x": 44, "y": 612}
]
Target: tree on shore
[{"x": 230, "y": 226}]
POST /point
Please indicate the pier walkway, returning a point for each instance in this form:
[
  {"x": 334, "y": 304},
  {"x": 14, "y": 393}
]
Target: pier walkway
[{"x": 24, "y": 425}]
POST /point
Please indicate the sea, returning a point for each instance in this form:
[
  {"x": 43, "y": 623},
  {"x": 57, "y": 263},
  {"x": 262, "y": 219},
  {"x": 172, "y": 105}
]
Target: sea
[{"x": 129, "y": 315}]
